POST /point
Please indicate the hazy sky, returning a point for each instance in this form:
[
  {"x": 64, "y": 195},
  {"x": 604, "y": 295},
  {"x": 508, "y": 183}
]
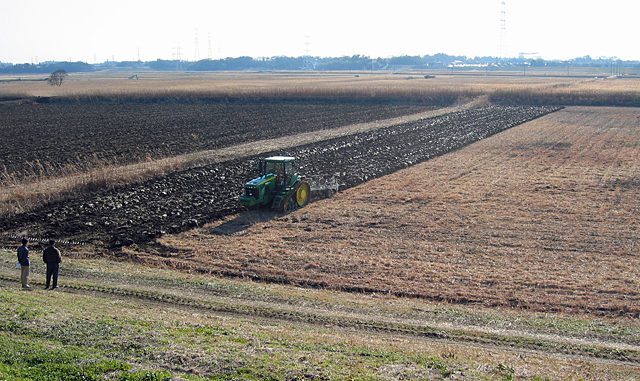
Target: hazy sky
[{"x": 93, "y": 31}]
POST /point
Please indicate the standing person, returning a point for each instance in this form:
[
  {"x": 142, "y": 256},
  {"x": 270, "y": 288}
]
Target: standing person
[
  {"x": 23, "y": 259},
  {"x": 51, "y": 256}
]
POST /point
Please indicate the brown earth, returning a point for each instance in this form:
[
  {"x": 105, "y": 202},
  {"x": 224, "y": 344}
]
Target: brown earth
[{"x": 542, "y": 216}]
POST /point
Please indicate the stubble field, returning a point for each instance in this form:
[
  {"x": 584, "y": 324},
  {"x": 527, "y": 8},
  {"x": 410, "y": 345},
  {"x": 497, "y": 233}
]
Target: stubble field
[{"x": 247, "y": 83}]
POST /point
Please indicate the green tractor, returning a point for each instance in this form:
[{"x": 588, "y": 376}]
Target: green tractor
[{"x": 279, "y": 186}]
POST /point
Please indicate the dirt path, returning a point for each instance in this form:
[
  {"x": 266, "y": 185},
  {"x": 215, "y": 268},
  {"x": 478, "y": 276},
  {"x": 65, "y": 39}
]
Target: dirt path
[
  {"x": 226, "y": 303},
  {"x": 27, "y": 196}
]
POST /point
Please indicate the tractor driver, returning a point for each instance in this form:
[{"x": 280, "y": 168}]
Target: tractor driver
[{"x": 280, "y": 175}]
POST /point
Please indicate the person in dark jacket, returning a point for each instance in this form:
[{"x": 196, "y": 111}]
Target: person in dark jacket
[
  {"x": 23, "y": 259},
  {"x": 51, "y": 256}
]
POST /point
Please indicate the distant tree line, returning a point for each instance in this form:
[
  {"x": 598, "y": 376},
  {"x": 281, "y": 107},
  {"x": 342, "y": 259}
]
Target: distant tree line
[
  {"x": 355, "y": 62},
  {"x": 45, "y": 67}
]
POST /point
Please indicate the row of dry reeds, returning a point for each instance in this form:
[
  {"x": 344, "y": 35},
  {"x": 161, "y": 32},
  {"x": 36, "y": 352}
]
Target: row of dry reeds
[
  {"x": 373, "y": 95},
  {"x": 565, "y": 96},
  {"x": 546, "y": 97},
  {"x": 39, "y": 170},
  {"x": 18, "y": 195}
]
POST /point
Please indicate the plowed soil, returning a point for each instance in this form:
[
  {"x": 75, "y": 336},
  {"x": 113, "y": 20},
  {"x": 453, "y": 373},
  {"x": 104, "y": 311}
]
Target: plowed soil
[
  {"x": 187, "y": 199},
  {"x": 544, "y": 216},
  {"x": 61, "y": 138}
]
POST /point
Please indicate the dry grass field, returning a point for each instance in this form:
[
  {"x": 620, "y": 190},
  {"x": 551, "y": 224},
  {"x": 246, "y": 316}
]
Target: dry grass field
[
  {"x": 246, "y": 83},
  {"x": 242, "y": 83},
  {"x": 589, "y": 87},
  {"x": 543, "y": 216}
]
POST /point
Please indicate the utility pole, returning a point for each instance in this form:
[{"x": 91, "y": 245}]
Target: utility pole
[
  {"x": 178, "y": 56},
  {"x": 502, "y": 29},
  {"x": 611, "y": 68},
  {"x": 308, "y": 65}
]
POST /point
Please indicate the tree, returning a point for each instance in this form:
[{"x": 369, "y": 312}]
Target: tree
[{"x": 57, "y": 77}]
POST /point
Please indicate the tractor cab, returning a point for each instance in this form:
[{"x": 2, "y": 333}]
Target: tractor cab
[
  {"x": 280, "y": 166},
  {"x": 278, "y": 186}
]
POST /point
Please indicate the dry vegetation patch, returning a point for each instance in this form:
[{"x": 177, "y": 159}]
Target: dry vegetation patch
[
  {"x": 543, "y": 216},
  {"x": 242, "y": 84}
]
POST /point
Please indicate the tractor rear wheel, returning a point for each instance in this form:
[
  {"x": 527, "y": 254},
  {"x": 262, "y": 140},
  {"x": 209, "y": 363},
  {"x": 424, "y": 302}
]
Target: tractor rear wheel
[{"x": 302, "y": 193}]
